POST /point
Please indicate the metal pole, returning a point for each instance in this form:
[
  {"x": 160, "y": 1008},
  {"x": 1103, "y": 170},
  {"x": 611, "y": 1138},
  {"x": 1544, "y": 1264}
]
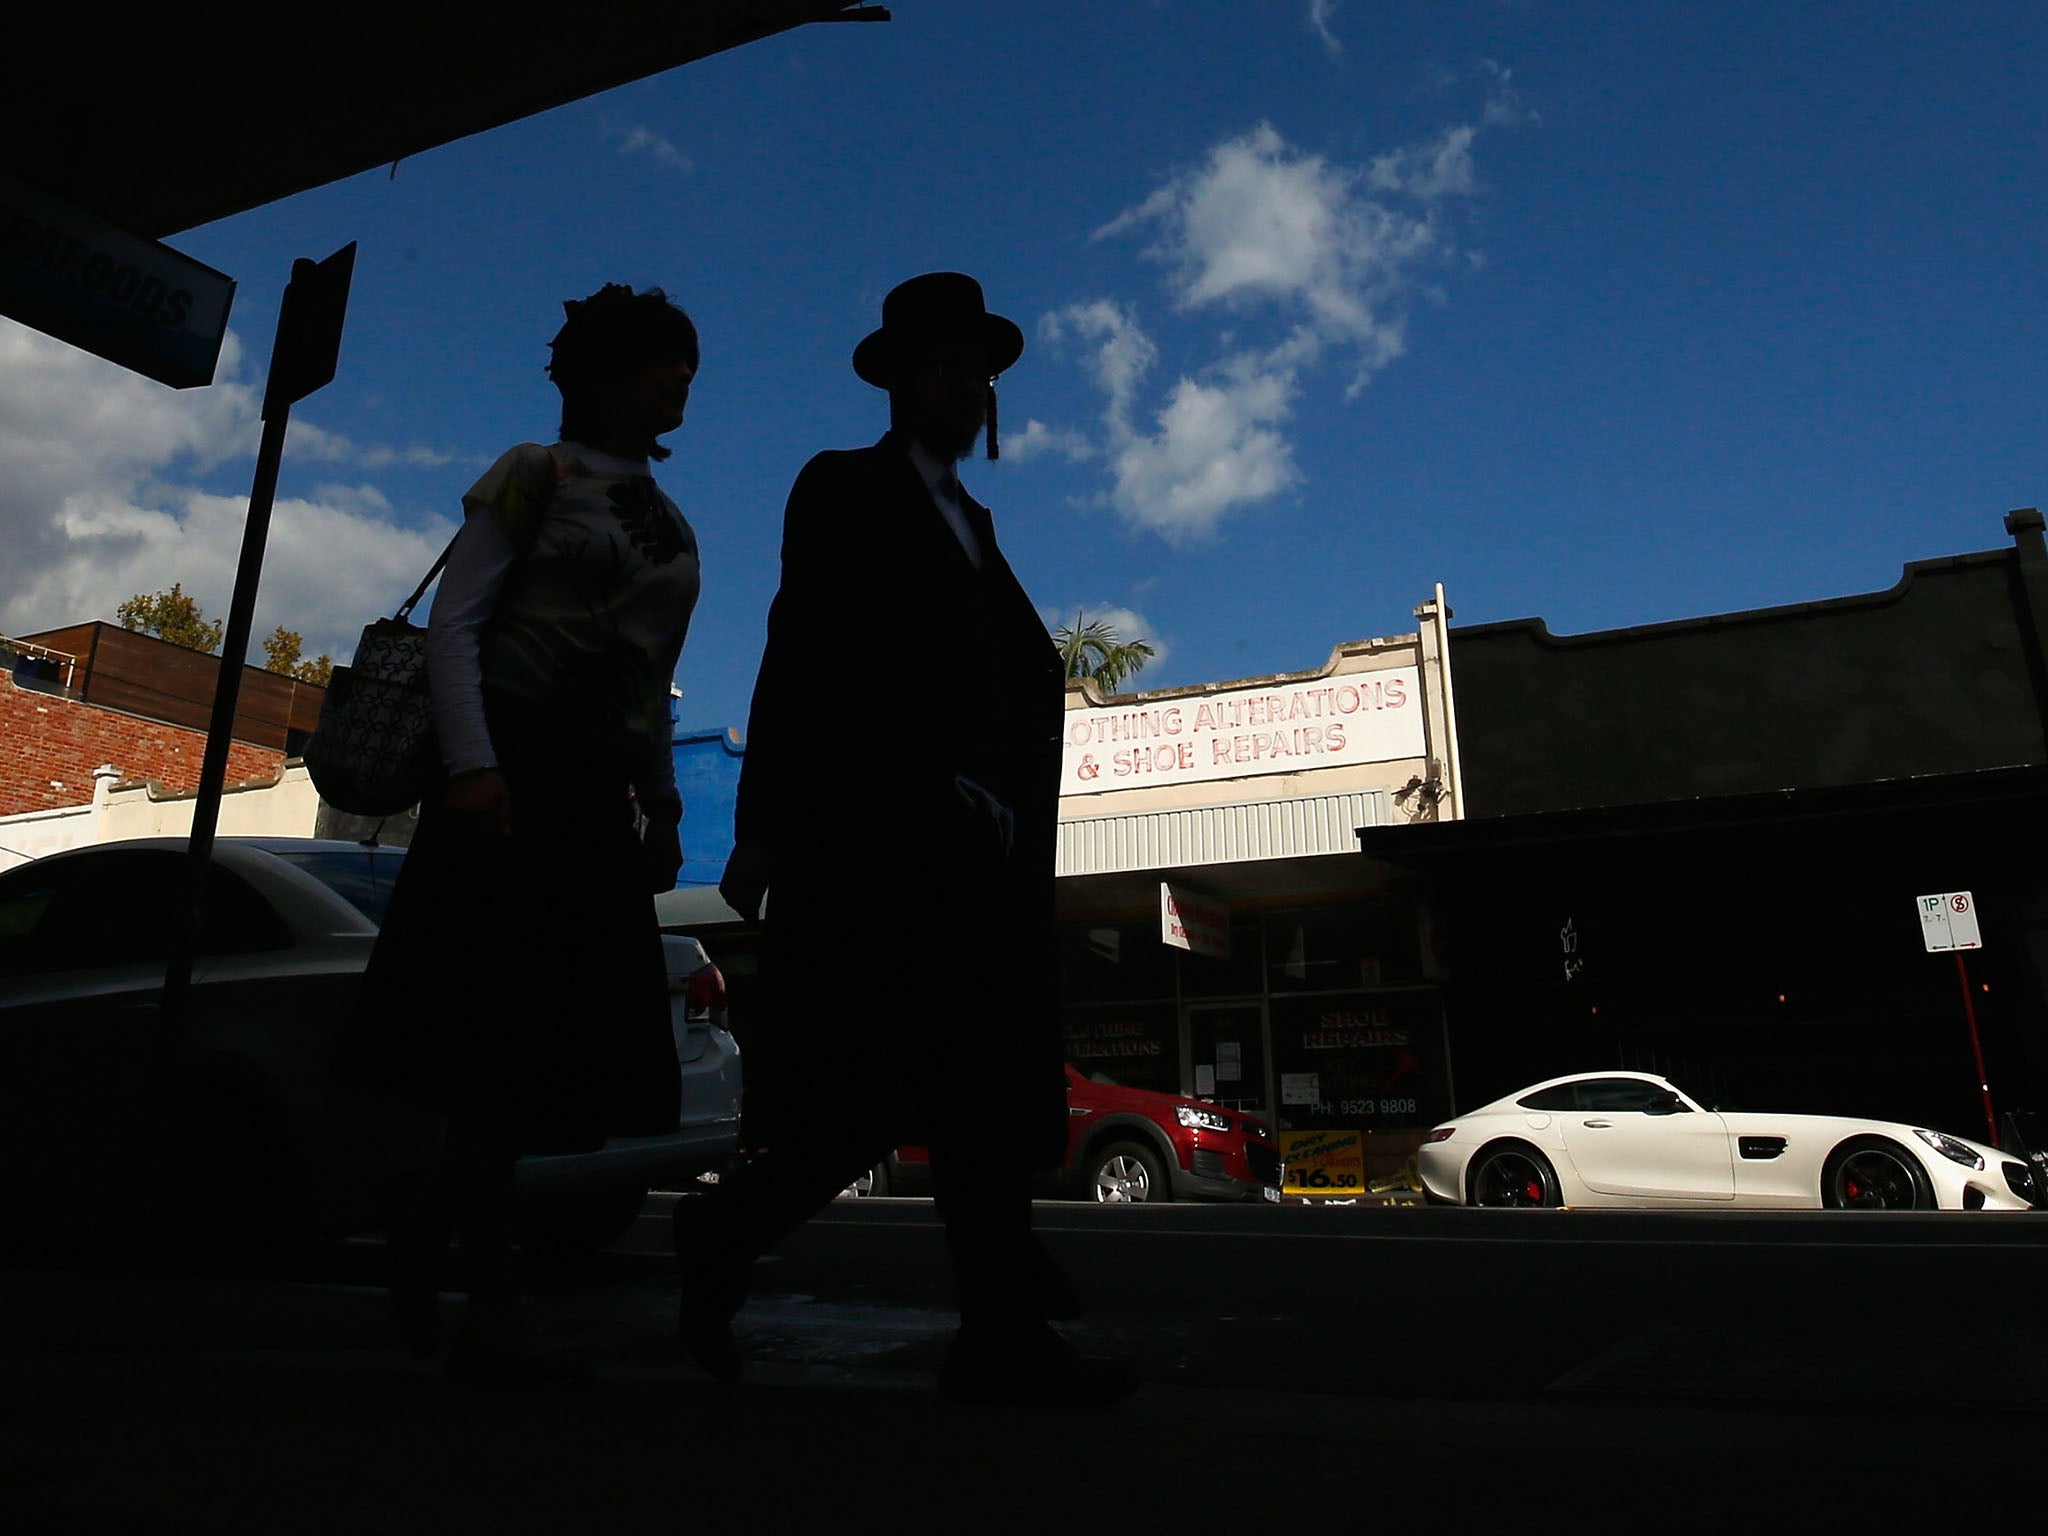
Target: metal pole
[
  {"x": 302, "y": 360},
  {"x": 1454, "y": 759},
  {"x": 1977, "y": 1050},
  {"x": 227, "y": 693}
]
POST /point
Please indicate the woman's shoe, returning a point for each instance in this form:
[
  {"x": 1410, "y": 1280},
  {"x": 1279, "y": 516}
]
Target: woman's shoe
[
  {"x": 476, "y": 1364},
  {"x": 416, "y": 1308},
  {"x": 417, "y": 1248}
]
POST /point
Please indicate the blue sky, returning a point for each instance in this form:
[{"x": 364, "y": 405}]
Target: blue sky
[{"x": 1608, "y": 314}]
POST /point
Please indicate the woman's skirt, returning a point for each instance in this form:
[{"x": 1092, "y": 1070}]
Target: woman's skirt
[{"x": 520, "y": 979}]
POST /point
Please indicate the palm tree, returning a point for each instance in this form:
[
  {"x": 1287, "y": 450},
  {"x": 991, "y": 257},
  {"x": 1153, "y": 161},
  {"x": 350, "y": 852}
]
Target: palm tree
[{"x": 1091, "y": 648}]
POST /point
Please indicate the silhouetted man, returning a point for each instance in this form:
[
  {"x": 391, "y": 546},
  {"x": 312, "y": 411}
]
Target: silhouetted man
[{"x": 902, "y": 762}]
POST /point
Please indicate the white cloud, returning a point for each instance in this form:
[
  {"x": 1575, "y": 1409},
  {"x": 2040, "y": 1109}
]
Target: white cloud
[
  {"x": 1505, "y": 107},
  {"x": 304, "y": 441},
  {"x": 1312, "y": 262},
  {"x": 1211, "y": 448},
  {"x": 645, "y": 141},
  {"x": 1261, "y": 225},
  {"x": 1216, "y": 447},
  {"x": 1319, "y": 15},
  {"x": 1436, "y": 169},
  {"x": 98, "y": 502},
  {"x": 1120, "y": 355},
  {"x": 1038, "y": 440}
]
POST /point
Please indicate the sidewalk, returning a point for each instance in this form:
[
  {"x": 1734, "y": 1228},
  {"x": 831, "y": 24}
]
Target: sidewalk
[{"x": 175, "y": 1406}]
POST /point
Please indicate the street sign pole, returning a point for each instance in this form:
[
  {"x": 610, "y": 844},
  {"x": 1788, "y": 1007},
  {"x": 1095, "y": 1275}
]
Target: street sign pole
[
  {"x": 1977, "y": 1049},
  {"x": 1948, "y": 923},
  {"x": 302, "y": 360}
]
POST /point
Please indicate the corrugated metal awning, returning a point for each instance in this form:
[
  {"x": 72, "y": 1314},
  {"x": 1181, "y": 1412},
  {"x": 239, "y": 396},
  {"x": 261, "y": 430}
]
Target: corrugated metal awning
[{"x": 1220, "y": 834}]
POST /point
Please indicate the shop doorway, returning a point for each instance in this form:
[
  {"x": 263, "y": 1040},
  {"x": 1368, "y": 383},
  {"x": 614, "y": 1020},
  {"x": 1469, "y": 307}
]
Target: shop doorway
[{"x": 1226, "y": 1054}]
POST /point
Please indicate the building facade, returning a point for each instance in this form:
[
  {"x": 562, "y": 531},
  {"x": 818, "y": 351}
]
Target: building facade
[
  {"x": 1703, "y": 847},
  {"x": 1219, "y": 934},
  {"x": 103, "y": 733}
]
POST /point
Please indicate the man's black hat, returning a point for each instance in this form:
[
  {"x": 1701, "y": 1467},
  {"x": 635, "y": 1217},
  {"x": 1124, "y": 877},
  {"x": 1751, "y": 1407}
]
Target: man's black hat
[{"x": 937, "y": 307}]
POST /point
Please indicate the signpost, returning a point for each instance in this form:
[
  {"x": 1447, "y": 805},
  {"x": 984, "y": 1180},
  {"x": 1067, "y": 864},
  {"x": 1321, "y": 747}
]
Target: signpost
[
  {"x": 303, "y": 359},
  {"x": 1948, "y": 924},
  {"x": 1948, "y": 920}
]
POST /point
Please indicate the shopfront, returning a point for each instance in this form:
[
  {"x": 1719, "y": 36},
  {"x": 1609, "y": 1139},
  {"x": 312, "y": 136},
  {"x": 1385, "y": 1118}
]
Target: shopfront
[{"x": 1220, "y": 935}]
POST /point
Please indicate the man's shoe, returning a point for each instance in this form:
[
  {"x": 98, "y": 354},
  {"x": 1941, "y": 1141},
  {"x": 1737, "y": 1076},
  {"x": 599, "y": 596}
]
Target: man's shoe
[
  {"x": 1057, "y": 1297},
  {"x": 713, "y": 1292},
  {"x": 1030, "y": 1367},
  {"x": 706, "y": 1332}
]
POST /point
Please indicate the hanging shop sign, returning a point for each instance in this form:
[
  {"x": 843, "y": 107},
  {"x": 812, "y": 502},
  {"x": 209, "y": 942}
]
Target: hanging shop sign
[
  {"x": 1196, "y": 923},
  {"x": 1327, "y": 722},
  {"x": 73, "y": 275}
]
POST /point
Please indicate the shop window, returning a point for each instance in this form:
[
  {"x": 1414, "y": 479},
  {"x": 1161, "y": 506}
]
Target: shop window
[
  {"x": 1131, "y": 1047},
  {"x": 1365, "y": 1061},
  {"x": 1107, "y": 961},
  {"x": 1238, "y": 974},
  {"x": 1343, "y": 948}
]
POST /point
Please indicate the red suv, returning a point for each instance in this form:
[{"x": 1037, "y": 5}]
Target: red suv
[{"x": 1132, "y": 1144}]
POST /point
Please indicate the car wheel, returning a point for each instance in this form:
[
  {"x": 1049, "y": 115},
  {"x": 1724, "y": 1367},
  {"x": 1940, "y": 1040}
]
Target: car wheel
[
  {"x": 1873, "y": 1173},
  {"x": 874, "y": 1182},
  {"x": 564, "y": 1233},
  {"x": 1511, "y": 1173},
  {"x": 1127, "y": 1173}
]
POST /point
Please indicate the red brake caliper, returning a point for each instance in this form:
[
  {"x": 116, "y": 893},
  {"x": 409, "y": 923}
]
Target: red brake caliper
[
  {"x": 1535, "y": 1190},
  {"x": 1853, "y": 1190}
]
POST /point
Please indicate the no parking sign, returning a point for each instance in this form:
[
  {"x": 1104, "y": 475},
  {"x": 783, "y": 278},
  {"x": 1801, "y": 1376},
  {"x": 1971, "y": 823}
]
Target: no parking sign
[{"x": 1948, "y": 920}]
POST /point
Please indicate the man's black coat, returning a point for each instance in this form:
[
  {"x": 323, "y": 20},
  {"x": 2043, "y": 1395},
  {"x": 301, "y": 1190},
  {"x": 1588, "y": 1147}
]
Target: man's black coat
[{"x": 911, "y": 957}]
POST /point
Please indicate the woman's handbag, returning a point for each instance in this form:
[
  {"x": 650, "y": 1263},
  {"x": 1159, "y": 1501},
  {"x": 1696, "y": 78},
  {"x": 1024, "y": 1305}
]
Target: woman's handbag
[{"x": 372, "y": 752}]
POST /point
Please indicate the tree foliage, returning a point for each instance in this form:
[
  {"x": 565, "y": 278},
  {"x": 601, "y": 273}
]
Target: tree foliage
[
  {"x": 172, "y": 616},
  {"x": 179, "y": 619},
  {"x": 1093, "y": 648},
  {"x": 281, "y": 653}
]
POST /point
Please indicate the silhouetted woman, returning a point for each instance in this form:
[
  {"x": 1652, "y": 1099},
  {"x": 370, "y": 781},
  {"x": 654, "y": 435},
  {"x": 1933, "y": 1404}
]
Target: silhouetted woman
[{"x": 518, "y": 986}]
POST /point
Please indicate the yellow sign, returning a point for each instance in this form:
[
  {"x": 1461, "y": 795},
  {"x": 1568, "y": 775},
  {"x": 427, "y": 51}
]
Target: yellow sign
[{"x": 1324, "y": 1162}]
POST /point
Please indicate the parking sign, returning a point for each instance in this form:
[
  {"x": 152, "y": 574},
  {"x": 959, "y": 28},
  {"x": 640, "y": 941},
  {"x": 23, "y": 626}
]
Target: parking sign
[{"x": 1948, "y": 920}]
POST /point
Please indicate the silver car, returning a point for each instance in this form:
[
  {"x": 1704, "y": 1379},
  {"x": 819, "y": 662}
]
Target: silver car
[{"x": 251, "y": 1148}]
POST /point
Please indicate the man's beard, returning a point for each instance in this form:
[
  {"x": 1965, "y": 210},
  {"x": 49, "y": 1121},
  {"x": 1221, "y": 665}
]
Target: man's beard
[{"x": 946, "y": 443}]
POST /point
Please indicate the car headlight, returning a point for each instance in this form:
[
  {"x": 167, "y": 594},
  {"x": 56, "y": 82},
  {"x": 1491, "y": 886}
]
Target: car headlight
[
  {"x": 1198, "y": 1119},
  {"x": 1955, "y": 1151}
]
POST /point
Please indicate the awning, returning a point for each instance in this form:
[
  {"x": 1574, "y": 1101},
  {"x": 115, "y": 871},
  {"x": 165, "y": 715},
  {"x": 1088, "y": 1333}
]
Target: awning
[{"x": 162, "y": 126}]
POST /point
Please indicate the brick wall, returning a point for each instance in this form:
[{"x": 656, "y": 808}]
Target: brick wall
[{"x": 49, "y": 746}]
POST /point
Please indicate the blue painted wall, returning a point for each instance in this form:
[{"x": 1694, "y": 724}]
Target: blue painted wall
[{"x": 708, "y": 775}]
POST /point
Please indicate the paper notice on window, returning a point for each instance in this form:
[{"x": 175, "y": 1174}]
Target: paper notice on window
[
  {"x": 1301, "y": 1087},
  {"x": 1205, "y": 1082}
]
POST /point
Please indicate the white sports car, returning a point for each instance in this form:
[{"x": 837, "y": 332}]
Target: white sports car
[{"x": 1633, "y": 1139}]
